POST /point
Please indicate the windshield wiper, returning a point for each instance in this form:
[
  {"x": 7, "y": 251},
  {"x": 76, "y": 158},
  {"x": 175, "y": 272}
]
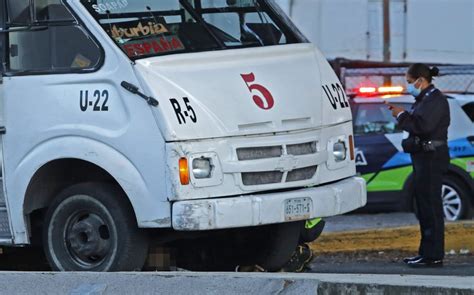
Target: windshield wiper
[
  {"x": 134, "y": 89},
  {"x": 198, "y": 18}
]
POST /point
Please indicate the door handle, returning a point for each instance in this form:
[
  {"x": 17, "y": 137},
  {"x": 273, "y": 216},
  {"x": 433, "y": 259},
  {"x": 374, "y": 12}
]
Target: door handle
[{"x": 3, "y": 130}]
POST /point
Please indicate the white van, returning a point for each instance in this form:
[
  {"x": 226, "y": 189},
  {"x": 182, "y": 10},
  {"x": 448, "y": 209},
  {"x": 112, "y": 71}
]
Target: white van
[{"x": 182, "y": 116}]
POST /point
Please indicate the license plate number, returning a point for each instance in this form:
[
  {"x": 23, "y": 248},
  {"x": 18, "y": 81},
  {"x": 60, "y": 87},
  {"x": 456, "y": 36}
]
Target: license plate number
[{"x": 298, "y": 209}]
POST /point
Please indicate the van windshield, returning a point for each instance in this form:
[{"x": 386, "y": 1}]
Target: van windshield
[{"x": 144, "y": 28}]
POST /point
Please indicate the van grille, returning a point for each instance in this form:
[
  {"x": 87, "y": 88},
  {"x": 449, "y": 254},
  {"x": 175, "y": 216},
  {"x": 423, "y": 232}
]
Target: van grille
[
  {"x": 301, "y": 174},
  {"x": 258, "y": 178},
  {"x": 272, "y": 177},
  {"x": 302, "y": 149},
  {"x": 257, "y": 153}
]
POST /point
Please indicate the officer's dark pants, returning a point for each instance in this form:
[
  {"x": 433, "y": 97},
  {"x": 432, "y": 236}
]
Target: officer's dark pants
[{"x": 428, "y": 172}]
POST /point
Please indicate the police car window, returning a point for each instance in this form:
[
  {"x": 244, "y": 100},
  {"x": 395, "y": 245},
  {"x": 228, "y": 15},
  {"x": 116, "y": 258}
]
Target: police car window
[
  {"x": 469, "y": 110},
  {"x": 144, "y": 28},
  {"x": 58, "y": 44},
  {"x": 376, "y": 118}
]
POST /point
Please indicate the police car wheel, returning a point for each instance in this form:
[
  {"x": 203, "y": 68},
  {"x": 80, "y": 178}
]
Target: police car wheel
[
  {"x": 456, "y": 203},
  {"x": 91, "y": 227}
]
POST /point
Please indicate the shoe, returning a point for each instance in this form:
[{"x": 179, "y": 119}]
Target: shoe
[
  {"x": 249, "y": 268},
  {"x": 425, "y": 262},
  {"x": 298, "y": 261},
  {"x": 406, "y": 260}
]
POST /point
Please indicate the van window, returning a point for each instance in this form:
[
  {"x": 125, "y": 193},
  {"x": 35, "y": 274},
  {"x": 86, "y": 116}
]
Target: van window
[
  {"x": 44, "y": 10},
  {"x": 54, "y": 49},
  {"x": 18, "y": 11},
  {"x": 144, "y": 28},
  {"x": 51, "y": 10},
  {"x": 56, "y": 43}
]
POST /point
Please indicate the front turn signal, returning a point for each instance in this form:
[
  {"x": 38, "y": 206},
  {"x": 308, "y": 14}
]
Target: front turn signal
[
  {"x": 351, "y": 147},
  {"x": 184, "y": 171}
]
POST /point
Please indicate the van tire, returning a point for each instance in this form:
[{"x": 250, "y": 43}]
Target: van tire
[
  {"x": 278, "y": 244},
  {"x": 91, "y": 227}
]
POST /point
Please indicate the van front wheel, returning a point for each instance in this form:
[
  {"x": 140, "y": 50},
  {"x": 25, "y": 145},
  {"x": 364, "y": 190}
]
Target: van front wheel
[{"x": 90, "y": 227}]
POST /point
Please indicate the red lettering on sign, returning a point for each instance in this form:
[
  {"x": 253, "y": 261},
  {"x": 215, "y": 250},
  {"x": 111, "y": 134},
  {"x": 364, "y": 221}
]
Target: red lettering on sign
[
  {"x": 266, "y": 102},
  {"x": 129, "y": 49},
  {"x": 176, "y": 44},
  {"x": 156, "y": 47},
  {"x": 139, "y": 49},
  {"x": 148, "y": 47},
  {"x": 153, "y": 46},
  {"x": 164, "y": 43}
]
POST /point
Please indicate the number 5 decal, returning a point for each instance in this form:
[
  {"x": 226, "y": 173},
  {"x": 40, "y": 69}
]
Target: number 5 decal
[{"x": 265, "y": 101}]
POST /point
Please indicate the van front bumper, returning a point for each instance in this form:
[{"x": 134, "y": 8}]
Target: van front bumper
[{"x": 254, "y": 210}]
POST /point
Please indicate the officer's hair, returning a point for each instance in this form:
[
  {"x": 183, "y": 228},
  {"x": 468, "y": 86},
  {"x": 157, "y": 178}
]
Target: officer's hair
[{"x": 421, "y": 70}]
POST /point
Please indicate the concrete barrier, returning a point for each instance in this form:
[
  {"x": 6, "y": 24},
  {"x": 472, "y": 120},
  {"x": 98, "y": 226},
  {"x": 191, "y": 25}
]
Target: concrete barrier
[
  {"x": 458, "y": 236},
  {"x": 228, "y": 283}
]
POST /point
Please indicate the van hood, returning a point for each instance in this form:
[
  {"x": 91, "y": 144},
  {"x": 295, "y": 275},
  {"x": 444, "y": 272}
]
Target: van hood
[{"x": 242, "y": 92}]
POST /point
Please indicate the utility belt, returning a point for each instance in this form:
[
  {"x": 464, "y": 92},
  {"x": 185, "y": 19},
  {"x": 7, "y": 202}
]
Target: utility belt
[{"x": 414, "y": 144}]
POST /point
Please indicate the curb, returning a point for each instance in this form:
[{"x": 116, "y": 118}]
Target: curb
[
  {"x": 229, "y": 283},
  {"x": 459, "y": 236}
]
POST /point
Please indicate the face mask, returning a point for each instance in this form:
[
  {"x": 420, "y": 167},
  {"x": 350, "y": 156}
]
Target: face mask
[{"x": 413, "y": 90}]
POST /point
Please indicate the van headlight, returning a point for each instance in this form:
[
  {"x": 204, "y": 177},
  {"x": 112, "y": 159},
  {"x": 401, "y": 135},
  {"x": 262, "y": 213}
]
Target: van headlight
[
  {"x": 202, "y": 168},
  {"x": 339, "y": 151}
]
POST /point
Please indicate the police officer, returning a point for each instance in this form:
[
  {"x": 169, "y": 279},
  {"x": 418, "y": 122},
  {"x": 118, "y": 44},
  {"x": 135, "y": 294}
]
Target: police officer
[{"x": 427, "y": 124}]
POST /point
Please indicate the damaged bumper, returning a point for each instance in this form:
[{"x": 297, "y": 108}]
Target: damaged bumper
[{"x": 253, "y": 210}]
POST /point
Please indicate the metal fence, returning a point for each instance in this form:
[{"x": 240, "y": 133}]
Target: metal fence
[{"x": 452, "y": 79}]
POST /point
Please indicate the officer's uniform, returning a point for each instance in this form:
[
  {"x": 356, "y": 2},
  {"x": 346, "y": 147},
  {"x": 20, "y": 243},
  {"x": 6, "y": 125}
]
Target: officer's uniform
[{"x": 429, "y": 120}]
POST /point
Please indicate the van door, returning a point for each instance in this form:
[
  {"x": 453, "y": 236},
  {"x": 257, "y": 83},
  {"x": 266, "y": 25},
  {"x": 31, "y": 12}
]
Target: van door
[{"x": 5, "y": 233}]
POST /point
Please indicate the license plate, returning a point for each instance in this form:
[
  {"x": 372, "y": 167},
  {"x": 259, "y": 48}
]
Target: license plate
[{"x": 298, "y": 209}]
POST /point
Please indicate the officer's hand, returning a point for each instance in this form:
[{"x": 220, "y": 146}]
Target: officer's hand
[{"x": 395, "y": 110}]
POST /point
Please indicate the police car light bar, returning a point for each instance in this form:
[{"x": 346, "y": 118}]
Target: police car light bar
[
  {"x": 380, "y": 90},
  {"x": 391, "y": 89},
  {"x": 367, "y": 90}
]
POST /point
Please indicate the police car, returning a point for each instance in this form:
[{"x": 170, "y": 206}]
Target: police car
[{"x": 387, "y": 169}]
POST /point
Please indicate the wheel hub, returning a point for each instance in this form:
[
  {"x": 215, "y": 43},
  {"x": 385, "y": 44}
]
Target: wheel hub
[
  {"x": 89, "y": 239},
  {"x": 451, "y": 203}
]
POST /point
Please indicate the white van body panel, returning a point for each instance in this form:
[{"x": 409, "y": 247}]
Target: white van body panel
[
  {"x": 221, "y": 100},
  {"x": 102, "y": 155},
  {"x": 48, "y": 125}
]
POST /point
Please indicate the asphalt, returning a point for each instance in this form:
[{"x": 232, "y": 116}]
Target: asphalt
[
  {"x": 351, "y": 222},
  {"x": 385, "y": 263},
  {"x": 377, "y": 244}
]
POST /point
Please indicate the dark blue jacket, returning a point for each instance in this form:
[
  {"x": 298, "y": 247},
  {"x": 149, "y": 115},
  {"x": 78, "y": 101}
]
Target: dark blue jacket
[{"x": 429, "y": 117}]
